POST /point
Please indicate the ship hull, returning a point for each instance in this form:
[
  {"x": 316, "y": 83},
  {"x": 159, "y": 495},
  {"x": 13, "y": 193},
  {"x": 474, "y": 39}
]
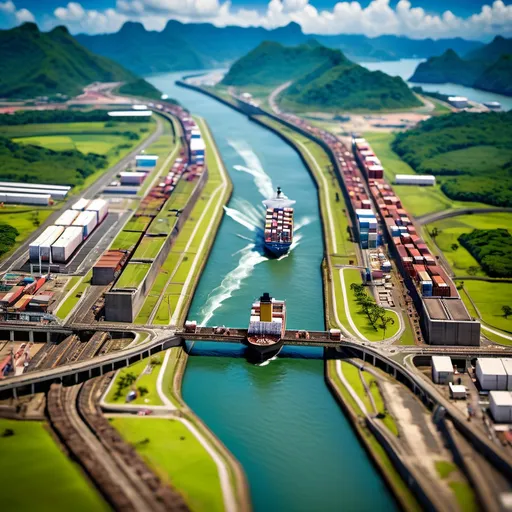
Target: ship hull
[
  {"x": 277, "y": 249},
  {"x": 260, "y": 353}
]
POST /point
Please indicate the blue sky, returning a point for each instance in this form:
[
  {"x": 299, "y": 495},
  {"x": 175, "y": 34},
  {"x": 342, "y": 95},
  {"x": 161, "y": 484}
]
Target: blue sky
[{"x": 472, "y": 19}]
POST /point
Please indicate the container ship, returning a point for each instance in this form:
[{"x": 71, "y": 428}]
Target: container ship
[
  {"x": 278, "y": 224},
  {"x": 266, "y": 328}
]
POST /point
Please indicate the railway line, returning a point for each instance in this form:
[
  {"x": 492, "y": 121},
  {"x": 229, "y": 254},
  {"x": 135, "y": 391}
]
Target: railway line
[{"x": 113, "y": 465}]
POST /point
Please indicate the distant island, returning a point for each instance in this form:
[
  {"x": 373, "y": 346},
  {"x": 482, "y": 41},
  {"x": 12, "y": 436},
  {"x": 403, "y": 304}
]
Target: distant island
[
  {"x": 323, "y": 79},
  {"x": 488, "y": 68},
  {"x": 35, "y": 63}
]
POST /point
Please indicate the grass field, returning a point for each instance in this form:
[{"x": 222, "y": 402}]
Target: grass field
[
  {"x": 489, "y": 298},
  {"x": 359, "y": 318},
  {"x": 177, "y": 456},
  {"x": 139, "y": 223},
  {"x": 37, "y": 475},
  {"x": 132, "y": 275},
  {"x": 125, "y": 240},
  {"x": 67, "y": 306},
  {"x": 108, "y": 139},
  {"x": 149, "y": 247},
  {"x": 417, "y": 200},
  {"x": 146, "y": 371},
  {"x": 450, "y": 230},
  {"x": 26, "y": 219}
]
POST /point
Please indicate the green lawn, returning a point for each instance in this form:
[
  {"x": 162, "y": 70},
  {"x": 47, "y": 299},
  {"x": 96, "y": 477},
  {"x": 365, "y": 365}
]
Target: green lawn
[
  {"x": 138, "y": 223},
  {"x": 353, "y": 377},
  {"x": 125, "y": 240},
  {"x": 132, "y": 275},
  {"x": 359, "y": 318},
  {"x": 177, "y": 457},
  {"x": 146, "y": 371},
  {"x": 465, "y": 496},
  {"x": 450, "y": 230},
  {"x": 381, "y": 409},
  {"x": 489, "y": 298},
  {"x": 149, "y": 247},
  {"x": 67, "y": 306},
  {"x": 445, "y": 468},
  {"x": 37, "y": 475},
  {"x": 25, "y": 219},
  {"x": 417, "y": 200}
]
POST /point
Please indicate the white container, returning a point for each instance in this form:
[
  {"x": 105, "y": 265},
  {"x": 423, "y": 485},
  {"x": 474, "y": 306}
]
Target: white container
[
  {"x": 491, "y": 373},
  {"x": 67, "y": 218},
  {"x": 88, "y": 221},
  {"x": 67, "y": 243},
  {"x": 442, "y": 369},
  {"x": 100, "y": 206},
  {"x": 18, "y": 198},
  {"x": 41, "y": 245},
  {"x": 81, "y": 204},
  {"x": 132, "y": 178},
  {"x": 500, "y": 403},
  {"x": 415, "y": 179},
  {"x": 197, "y": 145}
]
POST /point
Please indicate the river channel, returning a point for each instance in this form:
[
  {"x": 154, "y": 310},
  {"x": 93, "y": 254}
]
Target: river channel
[{"x": 279, "y": 420}]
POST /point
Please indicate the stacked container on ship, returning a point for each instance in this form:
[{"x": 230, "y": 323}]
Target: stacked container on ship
[
  {"x": 278, "y": 224},
  {"x": 267, "y": 327}
]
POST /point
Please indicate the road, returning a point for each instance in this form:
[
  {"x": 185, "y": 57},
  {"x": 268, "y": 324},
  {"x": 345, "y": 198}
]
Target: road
[
  {"x": 446, "y": 214},
  {"x": 14, "y": 260},
  {"x": 274, "y": 94}
]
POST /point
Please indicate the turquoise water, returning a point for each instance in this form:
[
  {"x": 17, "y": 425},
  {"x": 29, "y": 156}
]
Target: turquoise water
[
  {"x": 405, "y": 69},
  {"x": 279, "y": 420}
]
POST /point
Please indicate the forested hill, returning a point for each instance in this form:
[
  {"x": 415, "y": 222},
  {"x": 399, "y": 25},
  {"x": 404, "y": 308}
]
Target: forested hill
[
  {"x": 324, "y": 79},
  {"x": 271, "y": 64},
  {"x": 488, "y": 68},
  {"x": 471, "y": 155},
  {"x": 35, "y": 63}
]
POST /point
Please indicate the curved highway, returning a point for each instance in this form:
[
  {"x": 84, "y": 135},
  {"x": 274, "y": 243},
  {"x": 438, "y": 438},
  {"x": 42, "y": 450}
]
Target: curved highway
[{"x": 446, "y": 214}]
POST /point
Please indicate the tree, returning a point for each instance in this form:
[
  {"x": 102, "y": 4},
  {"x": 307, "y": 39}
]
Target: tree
[
  {"x": 142, "y": 390},
  {"x": 435, "y": 232},
  {"x": 472, "y": 271},
  {"x": 507, "y": 311},
  {"x": 385, "y": 320},
  {"x": 454, "y": 247},
  {"x": 460, "y": 285}
]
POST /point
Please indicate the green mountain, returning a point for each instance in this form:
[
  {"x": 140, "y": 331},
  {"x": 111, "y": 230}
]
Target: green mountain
[
  {"x": 186, "y": 46},
  {"x": 497, "y": 77},
  {"x": 492, "y": 51},
  {"x": 449, "y": 67},
  {"x": 271, "y": 64},
  {"x": 488, "y": 68},
  {"x": 34, "y": 63},
  {"x": 323, "y": 79}
]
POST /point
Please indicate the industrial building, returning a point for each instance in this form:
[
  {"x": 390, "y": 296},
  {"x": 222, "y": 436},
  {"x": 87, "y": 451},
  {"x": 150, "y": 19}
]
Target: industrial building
[
  {"x": 108, "y": 267},
  {"x": 500, "y": 404},
  {"x": 458, "y": 101},
  {"x": 415, "y": 179},
  {"x": 494, "y": 373},
  {"x": 442, "y": 369},
  {"x": 56, "y": 192},
  {"x": 146, "y": 162},
  {"x": 132, "y": 178},
  {"x": 131, "y": 113},
  {"x": 458, "y": 391},
  {"x": 19, "y": 198}
]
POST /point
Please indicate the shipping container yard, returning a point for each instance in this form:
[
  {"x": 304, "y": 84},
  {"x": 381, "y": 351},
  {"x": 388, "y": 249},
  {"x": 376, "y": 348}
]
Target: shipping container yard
[
  {"x": 444, "y": 317},
  {"x": 59, "y": 242}
]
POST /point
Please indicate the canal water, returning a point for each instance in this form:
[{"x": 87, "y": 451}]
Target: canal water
[
  {"x": 405, "y": 69},
  {"x": 279, "y": 419}
]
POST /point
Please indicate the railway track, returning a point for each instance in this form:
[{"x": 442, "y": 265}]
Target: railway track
[{"x": 112, "y": 464}]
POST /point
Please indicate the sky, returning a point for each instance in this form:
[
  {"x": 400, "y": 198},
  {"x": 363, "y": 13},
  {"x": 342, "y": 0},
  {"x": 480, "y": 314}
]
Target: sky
[{"x": 471, "y": 19}]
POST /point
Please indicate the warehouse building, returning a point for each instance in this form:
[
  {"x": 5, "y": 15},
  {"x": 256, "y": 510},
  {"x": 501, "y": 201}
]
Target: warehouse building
[
  {"x": 415, "y": 179},
  {"x": 500, "y": 403},
  {"x": 458, "y": 101},
  {"x": 107, "y": 268},
  {"x": 493, "y": 374},
  {"x": 442, "y": 369},
  {"x": 57, "y": 192},
  {"x": 131, "y": 113},
  {"x": 19, "y": 198}
]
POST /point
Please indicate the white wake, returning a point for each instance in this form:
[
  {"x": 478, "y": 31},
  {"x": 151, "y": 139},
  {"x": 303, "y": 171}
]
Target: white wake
[
  {"x": 249, "y": 258},
  {"x": 253, "y": 167}
]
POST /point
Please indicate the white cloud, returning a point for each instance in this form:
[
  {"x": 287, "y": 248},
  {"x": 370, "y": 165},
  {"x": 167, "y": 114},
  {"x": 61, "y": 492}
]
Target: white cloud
[
  {"x": 10, "y": 15},
  {"x": 24, "y": 15},
  {"x": 348, "y": 17}
]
